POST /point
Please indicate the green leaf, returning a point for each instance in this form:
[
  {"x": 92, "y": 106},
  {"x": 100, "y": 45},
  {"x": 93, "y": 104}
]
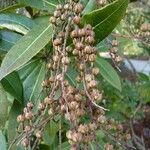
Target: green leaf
[
  {"x": 105, "y": 19},
  {"x": 32, "y": 75},
  {"x": 65, "y": 146},
  {"x": 90, "y": 6},
  {"x": 49, "y": 5},
  {"x": 13, "y": 85},
  {"x": 4, "y": 104},
  {"x": 108, "y": 73},
  {"x": 7, "y": 40},
  {"x": 16, "y": 22},
  {"x": 3, "y": 144},
  {"x": 16, "y": 109},
  {"x": 26, "y": 48}
]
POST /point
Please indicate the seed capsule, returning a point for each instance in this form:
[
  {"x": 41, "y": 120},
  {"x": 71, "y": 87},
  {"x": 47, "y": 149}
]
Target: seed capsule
[
  {"x": 88, "y": 49},
  {"x": 95, "y": 71},
  {"x": 57, "y": 42},
  {"x": 79, "y": 46},
  {"x": 38, "y": 134},
  {"x": 28, "y": 129},
  {"x": 29, "y": 115},
  {"x": 41, "y": 106},
  {"x": 59, "y": 7},
  {"x": 20, "y": 118},
  {"x": 74, "y": 34},
  {"x": 115, "y": 43},
  {"x": 82, "y": 32},
  {"x": 90, "y": 40},
  {"x": 29, "y": 105},
  {"x": 25, "y": 142},
  {"x": 76, "y": 19},
  {"x": 53, "y": 20},
  {"x": 57, "y": 14},
  {"x": 92, "y": 57},
  {"x": 65, "y": 60},
  {"x": 48, "y": 101},
  {"x": 78, "y": 8}
]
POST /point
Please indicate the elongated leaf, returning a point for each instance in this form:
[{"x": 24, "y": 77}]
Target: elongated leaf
[
  {"x": 13, "y": 85},
  {"x": 32, "y": 76},
  {"x": 41, "y": 4},
  {"x": 16, "y": 22},
  {"x": 16, "y": 109},
  {"x": 90, "y": 6},
  {"x": 8, "y": 39},
  {"x": 4, "y": 104},
  {"x": 3, "y": 144},
  {"x": 104, "y": 20},
  {"x": 108, "y": 73},
  {"x": 26, "y": 48}
]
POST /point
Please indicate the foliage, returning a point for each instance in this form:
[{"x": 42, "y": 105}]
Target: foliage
[{"x": 25, "y": 44}]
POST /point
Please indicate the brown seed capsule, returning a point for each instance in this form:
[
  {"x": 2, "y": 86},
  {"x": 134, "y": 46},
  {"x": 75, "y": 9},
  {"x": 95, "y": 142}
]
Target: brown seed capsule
[
  {"x": 78, "y": 8},
  {"x": 88, "y": 77},
  {"x": 76, "y": 19},
  {"x": 95, "y": 71},
  {"x": 57, "y": 42},
  {"x": 145, "y": 27},
  {"x": 78, "y": 97},
  {"x": 114, "y": 43},
  {"x": 51, "y": 79},
  {"x": 25, "y": 142},
  {"x": 29, "y": 115},
  {"x": 53, "y": 20},
  {"x": 92, "y": 84},
  {"x": 88, "y": 49},
  {"x": 75, "y": 52},
  {"x": 81, "y": 66},
  {"x": 90, "y": 40},
  {"x": 20, "y": 118},
  {"x": 88, "y": 27},
  {"x": 45, "y": 83},
  {"x": 59, "y": 7},
  {"x": 50, "y": 111},
  {"x": 28, "y": 129},
  {"x": 92, "y": 57},
  {"x": 79, "y": 46},
  {"x": 41, "y": 106},
  {"x": 30, "y": 105},
  {"x": 73, "y": 105},
  {"x": 49, "y": 66},
  {"x": 48, "y": 101},
  {"x": 55, "y": 58},
  {"x": 67, "y": 6},
  {"x": 82, "y": 32},
  {"x": 63, "y": 17},
  {"x": 69, "y": 134},
  {"x": 57, "y": 14},
  {"x": 65, "y": 60},
  {"x": 38, "y": 134},
  {"x": 61, "y": 34},
  {"x": 74, "y": 34}
]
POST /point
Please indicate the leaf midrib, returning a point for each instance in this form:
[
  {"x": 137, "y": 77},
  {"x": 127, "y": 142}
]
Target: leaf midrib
[
  {"x": 110, "y": 14},
  {"x": 26, "y": 50}
]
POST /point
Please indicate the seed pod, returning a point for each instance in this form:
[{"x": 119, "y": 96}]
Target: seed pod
[
  {"x": 88, "y": 49},
  {"x": 75, "y": 52},
  {"x": 55, "y": 58},
  {"x": 101, "y": 119},
  {"x": 41, "y": 106},
  {"x": 29, "y": 115},
  {"x": 61, "y": 34},
  {"x": 78, "y": 8},
  {"x": 88, "y": 27},
  {"x": 57, "y": 42},
  {"x": 48, "y": 101},
  {"x": 74, "y": 34},
  {"x": 78, "y": 97},
  {"x": 88, "y": 77},
  {"x": 30, "y": 105},
  {"x": 76, "y": 19},
  {"x": 90, "y": 40},
  {"x": 59, "y": 7},
  {"x": 45, "y": 83},
  {"x": 81, "y": 66},
  {"x": 95, "y": 71},
  {"x": 92, "y": 57},
  {"x": 114, "y": 43},
  {"x": 28, "y": 129},
  {"x": 50, "y": 111},
  {"x": 51, "y": 79},
  {"x": 38, "y": 134},
  {"x": 69, "y": 134},
  {"x": 92, "y": 84},
  {"x": 67, "y": 6},
  {"x": 65, "y": 60},
  {"x": 82, "y": 32},
  {"x": 57, "y": 14},
  {"x": 20, "y": 118},
  {"x": 53, "y": 20},
  {"x": 79, "y": 46},
  {"x": 25, "y": 142},
  {"x": 63, "y": 17},
  {"x": 145, "y": 27},
  {"x": 73, "y": 105},
  {"x": 49, "y": 66}
]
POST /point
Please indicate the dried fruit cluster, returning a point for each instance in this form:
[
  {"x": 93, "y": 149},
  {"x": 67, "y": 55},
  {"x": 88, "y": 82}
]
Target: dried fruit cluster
[{"x": 74, "y": 102}]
